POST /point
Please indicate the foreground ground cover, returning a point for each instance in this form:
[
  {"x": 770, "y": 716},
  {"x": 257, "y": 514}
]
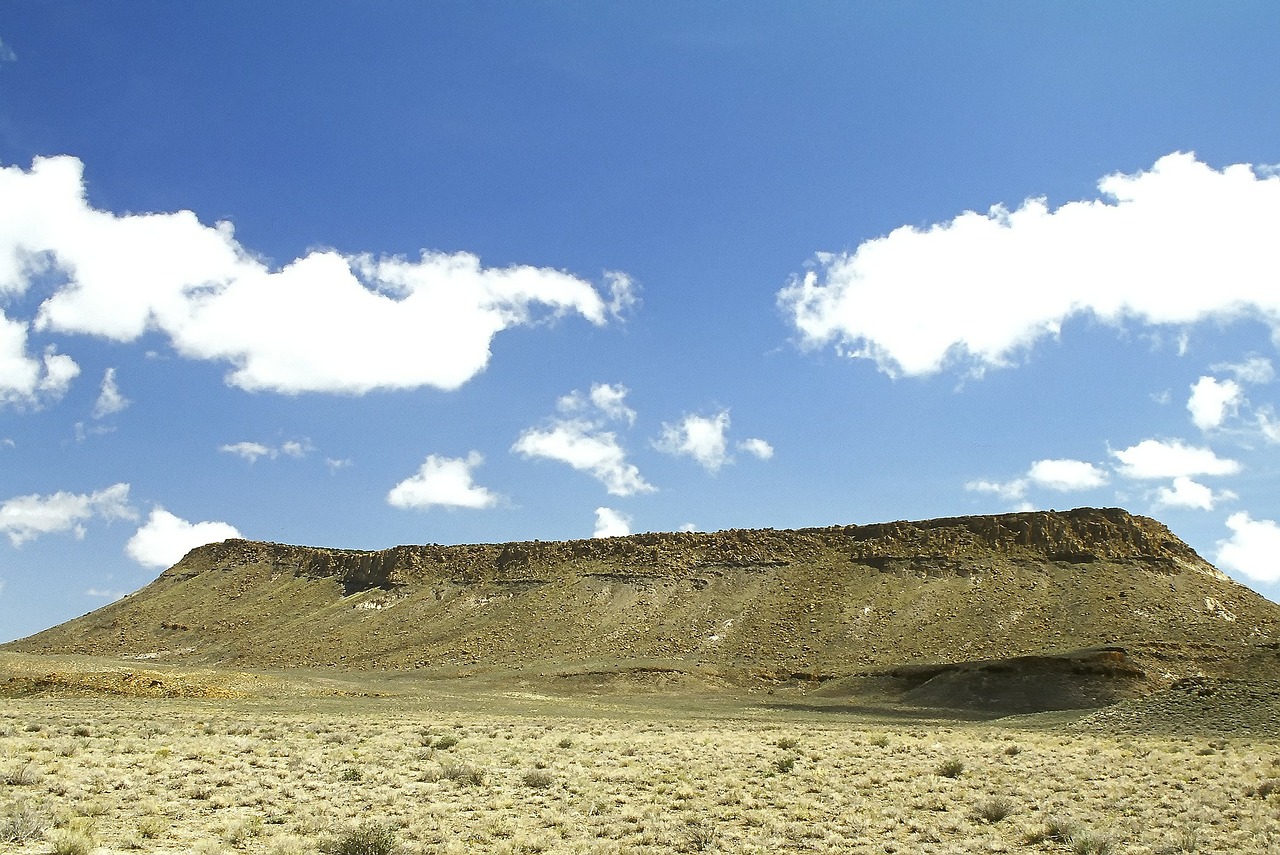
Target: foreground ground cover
[{"x": 364, "y": 775}]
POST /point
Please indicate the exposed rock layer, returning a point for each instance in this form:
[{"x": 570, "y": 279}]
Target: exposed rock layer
[{"x": 819, "y": 603}]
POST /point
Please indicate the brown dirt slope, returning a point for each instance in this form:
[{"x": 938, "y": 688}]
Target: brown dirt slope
[{"x": 810, "y": 604}]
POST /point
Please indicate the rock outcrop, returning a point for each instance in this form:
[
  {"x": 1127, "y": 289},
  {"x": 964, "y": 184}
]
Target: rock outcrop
[{"x": 744, "y": 604}]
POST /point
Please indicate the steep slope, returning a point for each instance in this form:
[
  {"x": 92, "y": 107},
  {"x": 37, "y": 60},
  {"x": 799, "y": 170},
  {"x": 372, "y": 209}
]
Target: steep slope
[{"x": 814, "y": 603}]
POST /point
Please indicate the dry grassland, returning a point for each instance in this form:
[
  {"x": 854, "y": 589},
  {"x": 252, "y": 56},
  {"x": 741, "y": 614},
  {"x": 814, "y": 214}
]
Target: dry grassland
[{"x": 368, "y": 776}]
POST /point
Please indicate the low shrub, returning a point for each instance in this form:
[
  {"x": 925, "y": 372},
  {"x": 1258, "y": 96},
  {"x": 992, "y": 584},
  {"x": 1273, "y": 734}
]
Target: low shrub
[{"x": 369, "y": 839}]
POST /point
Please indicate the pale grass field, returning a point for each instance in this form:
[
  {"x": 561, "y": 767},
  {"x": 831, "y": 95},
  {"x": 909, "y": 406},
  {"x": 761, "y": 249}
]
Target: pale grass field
[{"x": 168, "y": 776}]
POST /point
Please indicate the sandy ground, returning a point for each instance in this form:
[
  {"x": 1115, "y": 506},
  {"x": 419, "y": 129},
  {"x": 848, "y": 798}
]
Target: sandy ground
[{"x": 306, "y": 765}]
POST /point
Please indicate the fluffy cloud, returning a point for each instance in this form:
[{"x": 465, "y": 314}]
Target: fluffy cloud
[
  {"x": 705, "y": 439},
  {"x": 25, "y": 518},
  {"x": 756, "y": 448},
  {"x": 611, "y": 523},
  {"x": 110, "y": 401},
  {"x": 1153, "y": 458},
  {"x": 323, "y": 323},
  {"x": 1187, "y": 493},
  {"x": 1066, "y": 475},
  {"x": 1175, "y": 245},
  {"x": 699, "y": 437},
  {"x": 26, "y": 380},
  {"x": 1054, "y": 474},
  {"x": 1253, "y": 548},
  {"x": 584, "y": 446},
  {"x": 1212, "y": 400},
  {"x": 609, "y": 400},
  {"x": 443, "y": 481},
  {"x": 583, "y": 441},
  {"x": 164, "y": 538},
  {"x": 1010, "y": 491}
]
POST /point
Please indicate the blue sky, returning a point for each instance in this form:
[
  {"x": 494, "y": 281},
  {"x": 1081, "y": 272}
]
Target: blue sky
[{"x": 353, "y": 274}]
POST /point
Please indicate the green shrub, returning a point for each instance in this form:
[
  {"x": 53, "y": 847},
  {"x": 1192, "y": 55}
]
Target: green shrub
[
  {"x": 369, "y": 839},
  {"x": 785, "y": 764},
  {"x": 952, "y": 768}
]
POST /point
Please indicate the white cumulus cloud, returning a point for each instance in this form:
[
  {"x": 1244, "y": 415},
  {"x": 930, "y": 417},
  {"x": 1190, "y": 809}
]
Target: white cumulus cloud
[
  {"x": 25, "y": 518},
  {"x": 110, "y": 401},
  {"x": 1066, "y": 475},
  {"x": 1253, "y": 548},
  {"x": 1188, "y": 493},
  {"x": 27, "y": 380},
  {"x": 445, "y": 482},
  {"x": 757, "y": 448},
  {"x": 1175, "y": 245},
  {"x": 164, "y": 538},
  {"x": 1054, "y": 474},
  {"x": 1008, "y": 490},
  {"x": 611, "y": 523},
  {"x": 586, "y": 447},
  {"x": 582, "y": 439},
  {"x": 1153, "y": 458},
  {"x": 700, "y": 437},
  {"x": 1212, "y": 400},
  {"x": 326, "y": 322}
]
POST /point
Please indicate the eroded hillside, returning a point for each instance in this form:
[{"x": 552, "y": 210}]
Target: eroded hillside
[{"x": 742, "y": 603}]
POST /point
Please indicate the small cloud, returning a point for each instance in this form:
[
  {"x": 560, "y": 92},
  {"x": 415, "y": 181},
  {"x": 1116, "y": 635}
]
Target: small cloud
[
  {"x": 757, "y": 448},
  {"x": 250, "y": 451},
  {"x": 699, "y": 437},
  {"x": 1153, "y": 458},
  {"x": 611, "y": 523},
  {"x": 623, "y": 297},
  {"x": 689, "y": 527},
  {"x": 7, "y": 443},
  {"x": 1066, "y": 475},
  {"x": 1253, "y": 548},
  {"x": 335, "y": 465},
  {"x": 608, "y": 401},
  {"x": 297, "y": 448},
  {"x": 1187, "y": 493},
  {"x": 583, "y": 442},
  {"x": 1213, "y": 400},
  {"x": 7, "y": 54},
  {"x": 164, "y": 538},
  {"x": 99, "y": 593},
  {"x": 25, "y": 518},
  {"x": 1256, "y": 370},
  {"x": 110, "y": 401},
  {"x": 444, "y": 482},
  {"x": 1007, "y": 490}
]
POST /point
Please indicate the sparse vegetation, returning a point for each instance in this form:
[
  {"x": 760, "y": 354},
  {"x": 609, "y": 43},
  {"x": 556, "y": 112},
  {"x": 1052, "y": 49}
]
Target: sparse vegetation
[
  {"x": 370, "y": 839},
  {"x": 665, "y": 776},
  {"x": 994, "y": 809},
  {"x": 951, "y": 768},
  {"x": 22, "y": 822},
  {"x": 539, "y": 779}
]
